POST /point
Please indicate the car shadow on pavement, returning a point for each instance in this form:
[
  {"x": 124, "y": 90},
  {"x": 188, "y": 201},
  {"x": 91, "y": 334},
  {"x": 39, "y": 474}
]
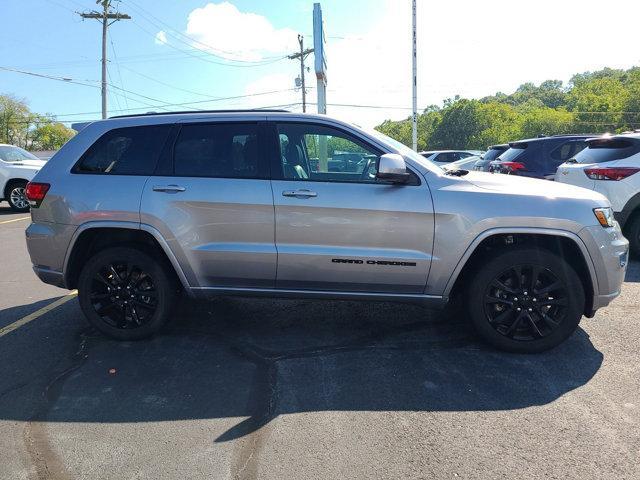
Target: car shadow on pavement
[
  {"x": 633, "y": 272},
  {"x": 6, "y": 210},
  {"x": 257, "y": 359}
]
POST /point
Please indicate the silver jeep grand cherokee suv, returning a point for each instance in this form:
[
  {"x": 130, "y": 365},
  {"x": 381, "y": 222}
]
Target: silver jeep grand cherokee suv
[{"x": 134, "y": 209}]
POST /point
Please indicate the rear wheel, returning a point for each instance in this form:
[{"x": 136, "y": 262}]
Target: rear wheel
[
  {"x": 16, "y": 197},
  {"x": 126, "y": 294},
  {"x": 526, "y": 300}
]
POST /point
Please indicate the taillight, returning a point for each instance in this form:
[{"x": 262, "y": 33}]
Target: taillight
[
  {"x": 514, "y": 166},
  {"x": 35, "y": 193},
  {"x": 614, "y": 173}
]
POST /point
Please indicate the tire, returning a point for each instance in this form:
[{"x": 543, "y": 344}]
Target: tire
[
  {"x": 15, "y": 196},
  {"x": 124, "y": 313},
  {"x": 632, "y": 232},
  {"x": 549, "y": 312}
]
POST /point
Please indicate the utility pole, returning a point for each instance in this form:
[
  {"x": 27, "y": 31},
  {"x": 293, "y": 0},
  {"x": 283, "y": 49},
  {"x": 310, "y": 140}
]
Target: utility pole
[
  {"x": 302, "y": 55},
  {"x": 414, "y": 132},
  {"x": 105, "y": 16}
]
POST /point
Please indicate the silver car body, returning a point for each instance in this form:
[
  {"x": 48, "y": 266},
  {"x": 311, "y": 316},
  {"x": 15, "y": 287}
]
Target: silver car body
[{"x": 349, "y": 240}]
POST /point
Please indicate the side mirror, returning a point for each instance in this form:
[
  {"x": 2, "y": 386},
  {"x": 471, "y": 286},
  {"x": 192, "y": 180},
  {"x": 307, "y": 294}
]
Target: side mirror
[{"x": 392, "y": 168}]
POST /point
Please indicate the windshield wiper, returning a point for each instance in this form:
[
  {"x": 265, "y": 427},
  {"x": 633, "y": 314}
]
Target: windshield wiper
[{"x": 458, "y": 172}]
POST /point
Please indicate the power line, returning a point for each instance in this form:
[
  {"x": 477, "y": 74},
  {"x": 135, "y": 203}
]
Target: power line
[
  {"x": 115, "y": 58},
  {"x": 203, "y": 57},
  {"x": 190, "y": 40},
  {"x": 301, "y": 56},
  {"x": 104, "y": 18}
]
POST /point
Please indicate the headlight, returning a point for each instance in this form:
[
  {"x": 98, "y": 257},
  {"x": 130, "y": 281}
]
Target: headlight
[{"x": 605, "y": 216}]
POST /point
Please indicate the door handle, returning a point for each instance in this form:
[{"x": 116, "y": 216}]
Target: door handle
[
  {"x": 168, "y": 188},
  {"x": 299, "y": 193}
]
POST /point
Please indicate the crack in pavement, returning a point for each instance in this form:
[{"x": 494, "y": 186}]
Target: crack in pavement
[
  {"x": 47, "y": 463},
  {"x": 251, "y": 434}
]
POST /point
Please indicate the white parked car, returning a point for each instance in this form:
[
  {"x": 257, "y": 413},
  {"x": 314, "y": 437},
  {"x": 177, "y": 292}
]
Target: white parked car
[
  {"x": 611, "y": 166},
  {"x": 17, "y": 167}
]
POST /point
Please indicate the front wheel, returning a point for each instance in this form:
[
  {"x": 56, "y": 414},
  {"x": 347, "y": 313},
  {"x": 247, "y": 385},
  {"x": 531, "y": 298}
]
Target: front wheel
[
  {"x": 125, "y": 293},
  {"x": 526, "y": 300},
  {"x": 17, "y": 198}
]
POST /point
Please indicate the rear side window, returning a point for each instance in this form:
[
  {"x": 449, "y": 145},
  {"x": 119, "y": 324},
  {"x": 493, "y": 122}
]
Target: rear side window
[
  {"x": 125, "y": 151},
  {"x": 567, "y": 150},
  {"x": 608, "y": 150},
  {"x": 513, "y": 153},
  {"x": 492, "y": 154},
  {"x": 218, "y": 150}
]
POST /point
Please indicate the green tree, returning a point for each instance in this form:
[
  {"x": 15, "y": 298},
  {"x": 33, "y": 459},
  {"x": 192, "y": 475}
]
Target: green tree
[
  {"x": 460, "y": 127},
  {"x": 15, "y": 119},
  {"x": 598, "y": 103},
  {"x": 51, "y": 136}
]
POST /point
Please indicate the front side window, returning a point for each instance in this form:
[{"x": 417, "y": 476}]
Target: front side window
[
  {"x": 224, "y": 150},
  {"x": 125, "y": 151},
  {"x": 15, "y": 154},
  {"x": 315, "y": 152}
]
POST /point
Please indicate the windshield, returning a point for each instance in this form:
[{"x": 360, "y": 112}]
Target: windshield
[
  {"x": 492, "y": 154},
  {"x": 607, "y": 150},
  {"x": 404, "y": 150},
  {"x": 15, "y": 154},
  {"x": 511, "y": 154}
]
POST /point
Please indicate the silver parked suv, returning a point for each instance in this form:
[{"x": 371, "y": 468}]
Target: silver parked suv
[{"x": 134, "y": 209}]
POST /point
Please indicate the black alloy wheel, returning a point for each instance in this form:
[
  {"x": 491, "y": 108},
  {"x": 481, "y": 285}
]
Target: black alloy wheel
[
  {"x": 125, "y": 293},
  {"x": 526, "y": 302}
]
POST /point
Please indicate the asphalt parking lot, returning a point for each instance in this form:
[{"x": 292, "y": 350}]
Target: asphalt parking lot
[{"x": 247, "y": 388}]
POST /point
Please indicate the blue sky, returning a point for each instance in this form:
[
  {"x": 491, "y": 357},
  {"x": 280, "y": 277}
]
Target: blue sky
[{"x": 464, "y": 47}]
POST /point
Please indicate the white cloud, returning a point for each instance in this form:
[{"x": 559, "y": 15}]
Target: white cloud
[
  {"x": 226, "y": 31},
  {"x": 465, "y": 47},
  {"x": 474, "y": 49},
  {"x": 161, "y": 38}
]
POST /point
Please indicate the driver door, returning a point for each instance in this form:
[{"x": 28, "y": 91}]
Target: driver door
[{"x": 337, "y": 226}]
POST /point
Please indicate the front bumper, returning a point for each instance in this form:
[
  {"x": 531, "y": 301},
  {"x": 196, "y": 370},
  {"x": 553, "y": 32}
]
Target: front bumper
[{"x": 609, "y": 252}]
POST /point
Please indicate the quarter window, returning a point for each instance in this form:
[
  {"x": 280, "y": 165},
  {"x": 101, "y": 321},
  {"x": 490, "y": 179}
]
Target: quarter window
[
  {"x": 217, "y": 150},
  {"x": 125, "y": 151}
]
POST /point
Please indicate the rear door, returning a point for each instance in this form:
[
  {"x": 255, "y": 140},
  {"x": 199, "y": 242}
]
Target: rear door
[
  {"x": 345, "y": 231},
  {"x": 211, "y": 200}
]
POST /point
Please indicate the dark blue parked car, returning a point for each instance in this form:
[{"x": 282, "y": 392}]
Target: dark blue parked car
[{"x": 538, "y": 157}]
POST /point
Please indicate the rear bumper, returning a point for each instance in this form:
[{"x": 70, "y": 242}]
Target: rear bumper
[
  {"x": 47, "y": 245},
  {"x": 50, "y": 276}
]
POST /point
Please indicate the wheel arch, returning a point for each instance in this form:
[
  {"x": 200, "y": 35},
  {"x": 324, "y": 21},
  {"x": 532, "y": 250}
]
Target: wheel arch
[
  {"x": 92, "y": 237},
  {"x": 8, "y": 183},
  {"x": 567, "y": 244},
  {"x": 630, "y": 210}
]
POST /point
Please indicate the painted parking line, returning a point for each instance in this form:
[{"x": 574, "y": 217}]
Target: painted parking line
[
  {"x": 38, "y": 313},
  {"x": 15, "y": 220}
]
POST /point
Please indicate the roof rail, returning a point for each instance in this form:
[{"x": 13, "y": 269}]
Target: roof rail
[
  {"x": 251, "y": 110},
  {"x": 577, "y": 135}
]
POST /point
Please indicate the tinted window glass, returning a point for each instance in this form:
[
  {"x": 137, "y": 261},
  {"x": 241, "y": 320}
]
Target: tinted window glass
[
  {"x": 320, "y": 153},
  {"x": 217, "y": 150},
  {"x": 125, "y": 151},
  {"x": 492, "y": 154},
  {"x": 607, "y": 150},
  {"x": 446, "y": 157},
  {"x": 512, "y": 154},
  {"x": 567, "y": 150}
]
